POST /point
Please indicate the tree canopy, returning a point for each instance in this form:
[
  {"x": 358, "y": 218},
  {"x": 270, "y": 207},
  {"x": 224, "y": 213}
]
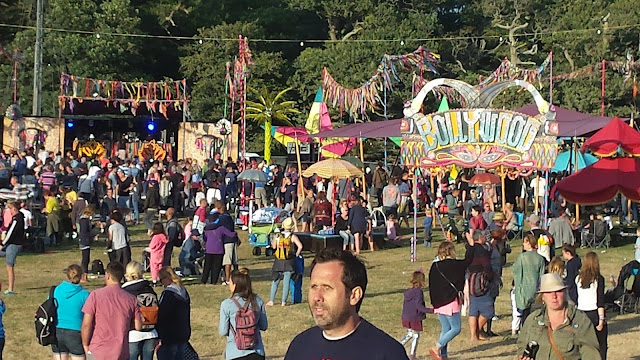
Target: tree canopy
[{"x": 292, "y": 41}]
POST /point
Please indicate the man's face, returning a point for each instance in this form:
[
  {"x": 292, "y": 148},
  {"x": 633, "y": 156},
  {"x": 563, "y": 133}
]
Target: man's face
[
  {"x": 474, "y": 213},
  {"x": 109, "y": 193},
  {"x": 329, "y": 300}
]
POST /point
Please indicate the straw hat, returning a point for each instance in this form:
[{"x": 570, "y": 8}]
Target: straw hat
[
  {"x": 287, "y": 223},
  {"x": 499, "y": 216},
  {"x": 551, "y": 282}
]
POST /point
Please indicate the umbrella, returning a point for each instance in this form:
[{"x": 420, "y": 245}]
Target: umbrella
[
  {"x": 565, "y": 159},
  {"x": 289, "y": 134},
  {"x": 253, "y": 175},
  {"x": 353, "y": 161},
  {"x": 616, "y": 134},
  {"x": 332, "y": 168},
  {"x": 485, "y": 179},
  {"x": 602, "y": 181}
]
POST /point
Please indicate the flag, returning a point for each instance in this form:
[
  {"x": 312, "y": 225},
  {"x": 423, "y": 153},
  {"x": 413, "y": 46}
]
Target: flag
[{"x": 318, "y": 119}]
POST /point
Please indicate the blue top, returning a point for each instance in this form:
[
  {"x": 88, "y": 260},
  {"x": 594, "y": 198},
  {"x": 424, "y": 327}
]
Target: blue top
[
  {"x": 637, "y": 253},
  {"x": 3, "y": 308},
  {"x": 71, "y": 298},
  {"x": 228, "y": 311},
  {"x": 427, "y": 222}
]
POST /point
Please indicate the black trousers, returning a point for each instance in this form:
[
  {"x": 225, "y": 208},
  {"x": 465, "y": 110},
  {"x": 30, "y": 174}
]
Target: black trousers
[
  {"x": 601, "y": 335},
  {"x": 85, "y": 260},
  {"x": 212, "y": 267}
]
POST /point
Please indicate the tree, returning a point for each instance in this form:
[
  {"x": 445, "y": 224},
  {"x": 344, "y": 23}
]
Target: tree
[{"x": 268, "y": 110}]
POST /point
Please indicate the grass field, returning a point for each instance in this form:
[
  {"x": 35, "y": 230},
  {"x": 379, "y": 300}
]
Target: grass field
[{"x": 388, "y": 272}]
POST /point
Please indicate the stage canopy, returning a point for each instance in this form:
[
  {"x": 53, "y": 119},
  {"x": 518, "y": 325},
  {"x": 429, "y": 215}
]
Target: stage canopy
[
  {"x": 374, "y": 129},
  {"x": 615, "y": 135},
  {"x": 570, "y": 122}
]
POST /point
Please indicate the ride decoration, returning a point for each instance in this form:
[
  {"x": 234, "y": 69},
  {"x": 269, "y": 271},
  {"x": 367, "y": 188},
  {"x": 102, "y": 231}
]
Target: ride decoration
[
  {"x": 92, "y": 149},
  {"x": 151, "y": 150},
  {"x": 157, "y": 96},
  {"x": 478, "y": 136},
  {"x": 367, "y": 96},
  {"x": 13, "y": 112}
]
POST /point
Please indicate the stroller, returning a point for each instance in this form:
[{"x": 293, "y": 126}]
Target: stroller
[{"x": 626, "y": 294}]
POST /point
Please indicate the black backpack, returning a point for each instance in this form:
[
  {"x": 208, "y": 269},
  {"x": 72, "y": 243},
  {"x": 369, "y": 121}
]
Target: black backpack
[
  {"x": 46, "y": 319},
  {"x": 97, "y": 267},
  {"x": 177, "y": 242}
]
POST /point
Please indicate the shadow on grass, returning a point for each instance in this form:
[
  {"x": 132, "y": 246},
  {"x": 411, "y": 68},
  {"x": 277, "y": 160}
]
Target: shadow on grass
[{"x": 622, "y": 326}]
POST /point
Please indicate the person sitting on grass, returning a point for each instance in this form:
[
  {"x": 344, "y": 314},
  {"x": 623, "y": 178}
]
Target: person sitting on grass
[{"x": 191, "y": 251}]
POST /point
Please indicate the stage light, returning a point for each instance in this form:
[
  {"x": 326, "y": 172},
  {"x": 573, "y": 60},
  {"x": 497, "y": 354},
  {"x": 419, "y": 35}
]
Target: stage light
[
  {"x": 70, "y": 124},
  {"x": 151, "y": 126}
]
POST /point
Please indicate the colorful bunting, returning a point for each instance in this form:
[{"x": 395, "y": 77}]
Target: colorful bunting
[{"x": 367, "y": 96}]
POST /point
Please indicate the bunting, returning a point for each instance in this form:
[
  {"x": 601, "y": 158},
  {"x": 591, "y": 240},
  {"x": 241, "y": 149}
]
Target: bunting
[
  {"x": 367, "y": 97},
  {"x": 156, "y": 96}
]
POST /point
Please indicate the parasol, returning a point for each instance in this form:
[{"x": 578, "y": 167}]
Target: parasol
[
  {"x": 602, "y": 181},
  {"x": 567, "y": 158},
  {"x": 616, "y": 134},
  {"x": 332, "y": 168},
  {"x": 253, "y": 175},
  {"x": 485, "y": 179}
]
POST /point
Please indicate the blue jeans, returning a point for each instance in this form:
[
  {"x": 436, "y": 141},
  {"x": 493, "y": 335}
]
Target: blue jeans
[
  {"x": 450, "y": 329},
  {"x": 142, "y": 348},
  {"x": 123, "y": 202},
  {"x": 171, "y": 351},
  {"x": 136, "y": 209},
  {"x": 285, "y": 287},
  {"x": 51, "y": 240}
]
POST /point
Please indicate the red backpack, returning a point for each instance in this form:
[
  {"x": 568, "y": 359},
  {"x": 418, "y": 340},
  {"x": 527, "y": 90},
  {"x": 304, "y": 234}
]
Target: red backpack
[{"x": 246, "y": 331}]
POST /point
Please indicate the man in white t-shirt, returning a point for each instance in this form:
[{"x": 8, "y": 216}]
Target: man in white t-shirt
[
  {"x": 43, "y": 155},
  {"x": 28, "y": 217},
  {"x": 539, "y": 186}
]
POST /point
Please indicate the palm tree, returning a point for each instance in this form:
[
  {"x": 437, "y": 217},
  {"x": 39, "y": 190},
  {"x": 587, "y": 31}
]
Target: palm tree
[{"x": 268, "y": 110}]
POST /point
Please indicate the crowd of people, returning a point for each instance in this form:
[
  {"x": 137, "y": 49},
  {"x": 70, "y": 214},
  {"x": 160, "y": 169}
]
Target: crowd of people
[{"x": 103, "y": 198}]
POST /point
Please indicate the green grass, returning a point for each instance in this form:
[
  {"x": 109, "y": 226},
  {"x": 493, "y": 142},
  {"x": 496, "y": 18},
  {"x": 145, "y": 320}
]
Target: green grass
[{"x": 388, "y": 272}]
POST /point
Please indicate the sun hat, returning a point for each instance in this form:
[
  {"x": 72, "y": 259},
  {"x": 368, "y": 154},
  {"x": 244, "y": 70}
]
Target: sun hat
[
  {"x": 498, "y": 216},
  {"x": 551, "y": 282},
  {"x": 287, "y": 223},
  {"x": 533, "y": 218}
]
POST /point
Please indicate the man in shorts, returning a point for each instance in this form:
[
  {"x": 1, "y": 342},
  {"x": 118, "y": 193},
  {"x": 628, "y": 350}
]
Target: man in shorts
[
  {"x": 230, "y": 257},
  {"x": 12, "y": 243},
  {"x": 336, "y": 292},
  {"x": 108, "y": 315}
]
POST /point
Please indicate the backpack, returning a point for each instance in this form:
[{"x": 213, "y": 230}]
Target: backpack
[
  {"x": 97, "y": 267},
  {"x": 148, "y": 304},
  {"x": 246, "y": 331},
  {"x": 283, "y": 248},
  {"x": 46, "y": 319},
  {"x": 478, "y": 283},
  {"x": 180, "y": 238}
]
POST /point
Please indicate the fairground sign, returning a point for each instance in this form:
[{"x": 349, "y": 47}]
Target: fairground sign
[{"x": 478, "y": 137}]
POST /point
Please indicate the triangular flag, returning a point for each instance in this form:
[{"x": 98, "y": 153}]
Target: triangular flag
[
  {"x": 313, "y": 124},
  {"x": 444, "y": 104}
]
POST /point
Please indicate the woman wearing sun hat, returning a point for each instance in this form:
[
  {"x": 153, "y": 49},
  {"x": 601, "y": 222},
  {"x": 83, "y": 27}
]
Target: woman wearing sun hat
[
  {"x": 284, "y": 264},
  {"x": 560, "y": 330}
]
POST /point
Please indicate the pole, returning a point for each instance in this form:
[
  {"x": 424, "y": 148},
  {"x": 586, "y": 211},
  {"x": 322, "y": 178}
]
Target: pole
[
  {"x": 604, "y": 64},
  {"x": 184, "y": 128},
  {"x": 545, "y": 202},
  {"x": 503, "y": 173},
  {"x": 364, "y": 182},
  {"x": 15, "y": 77},
  {"x": 551, "y": 78},
  {"x": 433, "y": 196},
  {"x": 300, "y": 182},
  {"x": 414, "y": 239},
  {"x": 37, "y": 62}
]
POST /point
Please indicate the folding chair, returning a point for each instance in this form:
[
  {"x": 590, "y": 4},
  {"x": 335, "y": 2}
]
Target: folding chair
[
  {"x": 629, "y": 300},
  {"x": 513, "y": 234},
  {"x": 604, "y": 242}
]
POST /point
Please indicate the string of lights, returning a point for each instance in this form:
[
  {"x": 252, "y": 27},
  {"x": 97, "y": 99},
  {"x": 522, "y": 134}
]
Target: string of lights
[{"x": 595, "y": 30}]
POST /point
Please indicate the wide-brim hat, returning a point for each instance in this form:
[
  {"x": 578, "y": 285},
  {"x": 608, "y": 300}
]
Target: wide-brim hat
[
  {"x": 498, "y": 216},
  {"x": 287, "y": 223},
  {"x": 551, "y": 282}
]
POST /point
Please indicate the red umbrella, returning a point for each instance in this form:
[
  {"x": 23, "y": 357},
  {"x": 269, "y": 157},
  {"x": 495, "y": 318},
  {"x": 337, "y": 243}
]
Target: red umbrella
[
  {"x": 485, "y": 179},
  {"x": 602, "y": 181},
  {"x": 615, "y": 134}
]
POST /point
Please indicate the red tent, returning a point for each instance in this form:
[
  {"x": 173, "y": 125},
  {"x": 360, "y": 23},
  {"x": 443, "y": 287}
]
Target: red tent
[
  {"x": 602, "y": 181},
  {"x": 615, "y": 134}
]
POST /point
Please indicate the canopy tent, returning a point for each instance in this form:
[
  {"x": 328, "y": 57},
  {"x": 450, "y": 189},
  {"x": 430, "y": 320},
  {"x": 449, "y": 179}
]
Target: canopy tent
[
  {"x": 570, "y": 122},
  {"x": 566, "y": 160},
  {"x": 602, "y": 181},
  {"x": 616, "y": 134},
  {"x": 373, "y": 129}
]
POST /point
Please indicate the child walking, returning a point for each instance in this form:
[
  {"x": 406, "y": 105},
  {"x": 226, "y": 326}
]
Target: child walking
[
  {"x": 414, "y": 311},
  {"x": 391, "y": 228},
  {"x": 428, "y": 224},
  {"x": 157, "y": 245}
]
